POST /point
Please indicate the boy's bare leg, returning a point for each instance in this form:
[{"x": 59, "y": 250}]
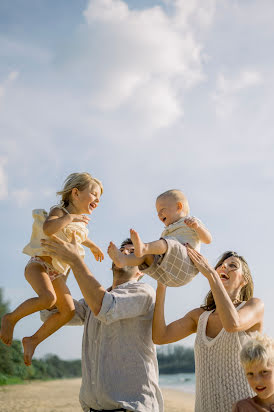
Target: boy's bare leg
[
  {"x": 158, "y": 247},
  {"x": 120, "y": 260},
  {"x": 65, "y": 312},
  {"x": 42, "y": 285}
]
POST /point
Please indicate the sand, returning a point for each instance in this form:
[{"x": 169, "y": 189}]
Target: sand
[
  {"x": 178, "y": 401},
  {"x": 62, "y": 396}
]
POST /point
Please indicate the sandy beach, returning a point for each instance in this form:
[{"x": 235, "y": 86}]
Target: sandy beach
[{"x": 62, "y": 396}]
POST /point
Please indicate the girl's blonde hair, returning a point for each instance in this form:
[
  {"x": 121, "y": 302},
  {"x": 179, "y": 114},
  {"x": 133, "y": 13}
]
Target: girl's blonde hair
[
  {"x": 178, "y": 196},
  {"x": 79, "y": 181},
  {"x": 246, "y": 292},
  {"x": 260, "y": 348}
]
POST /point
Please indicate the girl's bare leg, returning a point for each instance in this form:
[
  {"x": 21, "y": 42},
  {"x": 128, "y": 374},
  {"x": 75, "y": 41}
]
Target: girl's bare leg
[
  {"x": 41, "y": 284},
  {"x": 158, "y": 247},
  {"x": 65, "y": 312}
]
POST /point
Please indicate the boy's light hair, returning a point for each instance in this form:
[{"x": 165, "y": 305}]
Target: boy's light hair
[
  {"x": 258, "y": 349},
  {"x": 178, "y": 196},
  {"x": 79, "y": 181}
]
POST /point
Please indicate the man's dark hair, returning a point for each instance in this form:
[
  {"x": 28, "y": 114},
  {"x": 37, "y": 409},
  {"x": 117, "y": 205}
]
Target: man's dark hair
[{"x": 125, "y": 242}]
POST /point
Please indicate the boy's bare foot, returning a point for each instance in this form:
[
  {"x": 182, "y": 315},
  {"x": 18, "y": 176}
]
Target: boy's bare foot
[
  {"x": 7, "y": 326},
  {"x": 116, "y": 255},
  {"x": 29, "y": 348},
  {"x": 139, "y": 246}
]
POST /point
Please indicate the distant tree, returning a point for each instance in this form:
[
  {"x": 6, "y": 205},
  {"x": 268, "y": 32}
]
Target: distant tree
[
  {"x": 12, "y": 361},
  {"x": 4, "y": 306},
  {"x": 178, "y": 359}
]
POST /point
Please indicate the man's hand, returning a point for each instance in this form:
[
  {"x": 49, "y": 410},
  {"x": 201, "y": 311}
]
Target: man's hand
[
  {"x": 64, "y": 250},
  {"x": 93, "y": 292}
]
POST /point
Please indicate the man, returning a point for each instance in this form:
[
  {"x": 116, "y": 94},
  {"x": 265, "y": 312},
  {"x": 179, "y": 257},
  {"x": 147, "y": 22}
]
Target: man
[{"x": 119, "y": 364}]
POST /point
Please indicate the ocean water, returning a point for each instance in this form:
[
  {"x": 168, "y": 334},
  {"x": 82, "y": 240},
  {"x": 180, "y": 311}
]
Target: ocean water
[{"x": 180, "y": 381}]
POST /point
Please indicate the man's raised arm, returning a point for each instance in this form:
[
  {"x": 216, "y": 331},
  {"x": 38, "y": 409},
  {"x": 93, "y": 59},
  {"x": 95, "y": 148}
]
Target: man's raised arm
[{"x": 93, "y": 292}]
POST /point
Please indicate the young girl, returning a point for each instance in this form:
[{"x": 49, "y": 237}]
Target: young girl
[
  {"x": 47, "y": 276},
  {"x": 257, "y": 358},
  {"x": 166, "y": 259}
]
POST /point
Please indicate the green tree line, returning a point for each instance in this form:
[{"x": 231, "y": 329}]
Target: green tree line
[
  {"x": 177, "y": 360},
  {"x": 13, "y": 369}
]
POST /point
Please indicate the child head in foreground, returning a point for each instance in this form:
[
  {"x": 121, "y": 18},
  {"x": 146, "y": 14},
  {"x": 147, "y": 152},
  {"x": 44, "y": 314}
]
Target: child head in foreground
[{"x": 257, "y": 358}]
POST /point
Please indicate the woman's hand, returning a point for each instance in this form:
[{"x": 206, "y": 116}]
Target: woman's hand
[{"x": 199, "y": 261}]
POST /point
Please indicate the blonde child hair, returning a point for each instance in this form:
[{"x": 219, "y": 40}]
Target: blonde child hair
[
  {"x": 79, "y": 181},
  {"x": 258, "y": 349},
  {"x": 177, "y": 196}
]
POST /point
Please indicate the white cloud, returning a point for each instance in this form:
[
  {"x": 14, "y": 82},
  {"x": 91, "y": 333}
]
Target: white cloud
[
  {"x": 243, "y": 80},
  {"x": 3, "y": 180},
  {"x": 19, "y": 49},
  {"x": 12, "y": 76},
  {"x": 230, "y": 88},
  {"x": 145, "y": 59},
  {"x": 189, "y": 12},
  {"x": 21, "y": 196}
]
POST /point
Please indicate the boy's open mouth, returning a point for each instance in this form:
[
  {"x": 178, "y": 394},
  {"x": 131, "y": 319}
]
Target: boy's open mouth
[{"x": 260, "y": 388}]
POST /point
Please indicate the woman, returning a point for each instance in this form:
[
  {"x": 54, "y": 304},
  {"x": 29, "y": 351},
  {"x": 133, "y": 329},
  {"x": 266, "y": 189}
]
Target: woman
[{"x": 222, "y": 325}]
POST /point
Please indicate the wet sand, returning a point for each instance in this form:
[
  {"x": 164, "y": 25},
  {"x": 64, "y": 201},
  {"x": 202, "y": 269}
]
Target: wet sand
[{"x": 62, "y": 396}]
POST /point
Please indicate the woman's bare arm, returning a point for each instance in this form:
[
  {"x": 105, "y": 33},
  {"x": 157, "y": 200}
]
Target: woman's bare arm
[
  {"x": 250, "y": 316},
  {"x": 179, "y": 329}
]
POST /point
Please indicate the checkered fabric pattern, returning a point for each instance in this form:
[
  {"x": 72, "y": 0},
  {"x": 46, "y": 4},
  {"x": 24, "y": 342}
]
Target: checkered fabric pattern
[{"x": 174, "y": 268}]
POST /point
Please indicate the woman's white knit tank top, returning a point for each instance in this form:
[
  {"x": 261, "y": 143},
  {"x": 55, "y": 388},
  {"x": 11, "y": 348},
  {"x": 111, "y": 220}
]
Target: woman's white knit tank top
[{"x": 220, "y": 379}]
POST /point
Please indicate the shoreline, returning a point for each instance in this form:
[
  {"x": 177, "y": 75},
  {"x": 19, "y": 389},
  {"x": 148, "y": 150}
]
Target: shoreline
[{"x": 61, "y": 395}]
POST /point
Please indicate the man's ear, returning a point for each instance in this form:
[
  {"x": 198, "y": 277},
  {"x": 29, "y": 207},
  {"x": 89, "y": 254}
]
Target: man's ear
[
  {"x": 180, "y": 206},
  {"x": 139, "y": 275}
]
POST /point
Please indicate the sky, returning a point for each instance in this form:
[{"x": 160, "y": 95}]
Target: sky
[{"x": 146, "y": 96}]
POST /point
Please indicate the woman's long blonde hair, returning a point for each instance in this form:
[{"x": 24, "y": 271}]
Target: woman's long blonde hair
[
  {"x": 247, "y": 290},
  {"x": 79, "y": 181}
]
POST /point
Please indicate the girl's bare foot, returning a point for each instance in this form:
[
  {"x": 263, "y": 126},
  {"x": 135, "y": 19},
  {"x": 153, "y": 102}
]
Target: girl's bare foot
[
  {"x": 116, "y": 255},
  {"x": 29, "y": 348},
  {"x": 7, "y": 326},
  {"x": 139, "y": 246}
]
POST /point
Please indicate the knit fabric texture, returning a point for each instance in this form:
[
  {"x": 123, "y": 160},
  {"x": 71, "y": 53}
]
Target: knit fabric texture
[{"x": 220, "y": 378}]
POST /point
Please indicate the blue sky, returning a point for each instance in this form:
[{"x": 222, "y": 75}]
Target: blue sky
[{"x": 146, "y": 96}]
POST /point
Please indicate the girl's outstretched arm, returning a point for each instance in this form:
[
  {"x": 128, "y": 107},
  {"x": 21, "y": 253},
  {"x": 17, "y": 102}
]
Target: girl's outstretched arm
[
  {"x": 95, "y": 250},
  {"x": 179, "y": 329}
]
